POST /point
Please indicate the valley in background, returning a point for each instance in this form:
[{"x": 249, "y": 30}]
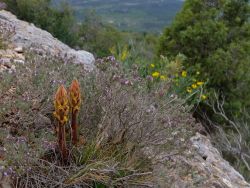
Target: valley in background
[{"x": 129, "y": 15}]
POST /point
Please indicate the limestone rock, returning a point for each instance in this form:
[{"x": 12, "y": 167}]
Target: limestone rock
[
  {"x": 24, "y": 35},
  {"x": 212, "y": 162},
  {"x": 19, "y": 49},
  {"x": 200, "y": 166}
]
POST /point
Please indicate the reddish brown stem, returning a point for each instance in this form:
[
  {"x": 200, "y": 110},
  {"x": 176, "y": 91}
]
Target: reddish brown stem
[
  {"x": 74, "y": 128},
  {"x": 62, "y": 143}
]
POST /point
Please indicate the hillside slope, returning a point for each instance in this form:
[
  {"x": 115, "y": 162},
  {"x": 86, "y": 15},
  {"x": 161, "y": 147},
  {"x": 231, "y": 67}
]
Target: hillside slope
[
  {"x": 115, "y": 114},
  {"x": 130, "y": 15}
]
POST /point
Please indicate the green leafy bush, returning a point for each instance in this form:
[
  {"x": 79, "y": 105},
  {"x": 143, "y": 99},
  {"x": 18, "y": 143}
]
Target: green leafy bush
[
  {"x": 215, "y": 37},
  {"x": 184, "y": 83},
  {"x": 97, "y": 36}
]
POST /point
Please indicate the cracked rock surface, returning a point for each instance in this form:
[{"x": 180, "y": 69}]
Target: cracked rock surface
[{"x": 24, "y": 35}]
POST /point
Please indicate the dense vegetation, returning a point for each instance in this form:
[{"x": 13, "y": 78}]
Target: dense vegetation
[
  {"x": 215, "y": 37},
  {"x": 211, "y": 73}
]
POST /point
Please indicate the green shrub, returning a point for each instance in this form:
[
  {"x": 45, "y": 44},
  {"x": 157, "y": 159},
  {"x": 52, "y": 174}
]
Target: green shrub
[
  {"x": 215, "y": 37},
  {"x": 184, "y": 83},
  {"x": 96, "y": 36}
]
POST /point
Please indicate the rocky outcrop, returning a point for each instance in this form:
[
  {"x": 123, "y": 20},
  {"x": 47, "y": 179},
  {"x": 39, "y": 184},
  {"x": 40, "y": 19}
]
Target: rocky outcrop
[
  {"x": 8, "y": 58},
  {"x": 209, "y": 160},
  {"x": 200, "y": 165},
  {"x": 25, "y": 35}
]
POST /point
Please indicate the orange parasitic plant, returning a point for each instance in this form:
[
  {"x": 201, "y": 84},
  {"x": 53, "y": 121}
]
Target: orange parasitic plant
[
  {"x": 75, "y": 102},
  {"x": 61, "y": 104}
]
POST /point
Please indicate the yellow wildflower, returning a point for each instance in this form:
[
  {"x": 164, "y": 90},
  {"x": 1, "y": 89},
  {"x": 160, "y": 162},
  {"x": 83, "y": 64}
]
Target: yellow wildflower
[
  {"x": 152, "y": 65},
  {"x": 112, "y": 50},
  {"x": 184, "y": 74},
  {"x": 203, "y": 97},
  {"x": 189, "y": 89},
  {"x": 194, "y": 86},
  {"x": 124, "y": 54},
  {"x": 200, "y": 83},
  {"x": 155, "y": 74},
  {"x": 162, "y": 77}
]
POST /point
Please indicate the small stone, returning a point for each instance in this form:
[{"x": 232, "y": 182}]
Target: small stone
[
  {"x": 42, "y": 121},
  {"x": 19, "y": 49},
  {"x": 19, "y": 61}
]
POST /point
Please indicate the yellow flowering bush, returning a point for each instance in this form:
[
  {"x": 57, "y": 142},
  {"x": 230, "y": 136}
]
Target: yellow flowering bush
[
  {"x": 120, "y": 53},
  {"x": 184, "y": 83},
  {"x": 188, "y": 85},
  {"x": 164, "y": 68}
]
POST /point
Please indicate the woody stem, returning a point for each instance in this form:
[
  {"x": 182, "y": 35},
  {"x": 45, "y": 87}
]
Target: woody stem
[
  {"x": 62, "y": 142},
  {"x": 74, "y": 128}
]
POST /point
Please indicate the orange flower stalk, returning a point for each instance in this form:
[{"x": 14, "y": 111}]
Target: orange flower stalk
[
  {"x": 75, "y": 102},
  {"x": 61, "y": 105}
]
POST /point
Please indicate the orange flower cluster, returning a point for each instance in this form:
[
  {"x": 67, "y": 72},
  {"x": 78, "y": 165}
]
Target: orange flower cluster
[
  {"x": 75, "y": 96},
  {"x": 75, "y": 102},
  {"x": 63, "y": 103}
]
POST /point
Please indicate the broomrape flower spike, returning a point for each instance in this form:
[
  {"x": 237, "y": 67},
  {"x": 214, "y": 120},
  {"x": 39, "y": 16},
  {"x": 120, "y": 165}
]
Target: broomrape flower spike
[
  {"x": 61, "y": 105},
  {"x": 75, "y": 102}
]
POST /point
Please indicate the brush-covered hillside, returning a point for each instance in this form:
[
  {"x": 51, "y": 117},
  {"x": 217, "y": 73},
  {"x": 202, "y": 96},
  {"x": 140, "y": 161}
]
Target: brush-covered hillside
[
  {"x": 84, "y": 103},
  {"x": 128, "y": 134},
  {"x": 130, "y": 15}
]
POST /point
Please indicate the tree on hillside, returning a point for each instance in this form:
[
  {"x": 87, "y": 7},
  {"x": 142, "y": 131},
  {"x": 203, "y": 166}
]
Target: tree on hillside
[
  {"x": 97, "y": 36},
  {"x": 215, "y": 36}
]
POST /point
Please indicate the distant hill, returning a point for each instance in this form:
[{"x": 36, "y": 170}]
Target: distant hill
[{"x": 130, "y": 15}]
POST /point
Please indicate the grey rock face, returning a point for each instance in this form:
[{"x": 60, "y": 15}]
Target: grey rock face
[
  {"x": 27, "y": 36},
  {"x": 212, "y": 162}
]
